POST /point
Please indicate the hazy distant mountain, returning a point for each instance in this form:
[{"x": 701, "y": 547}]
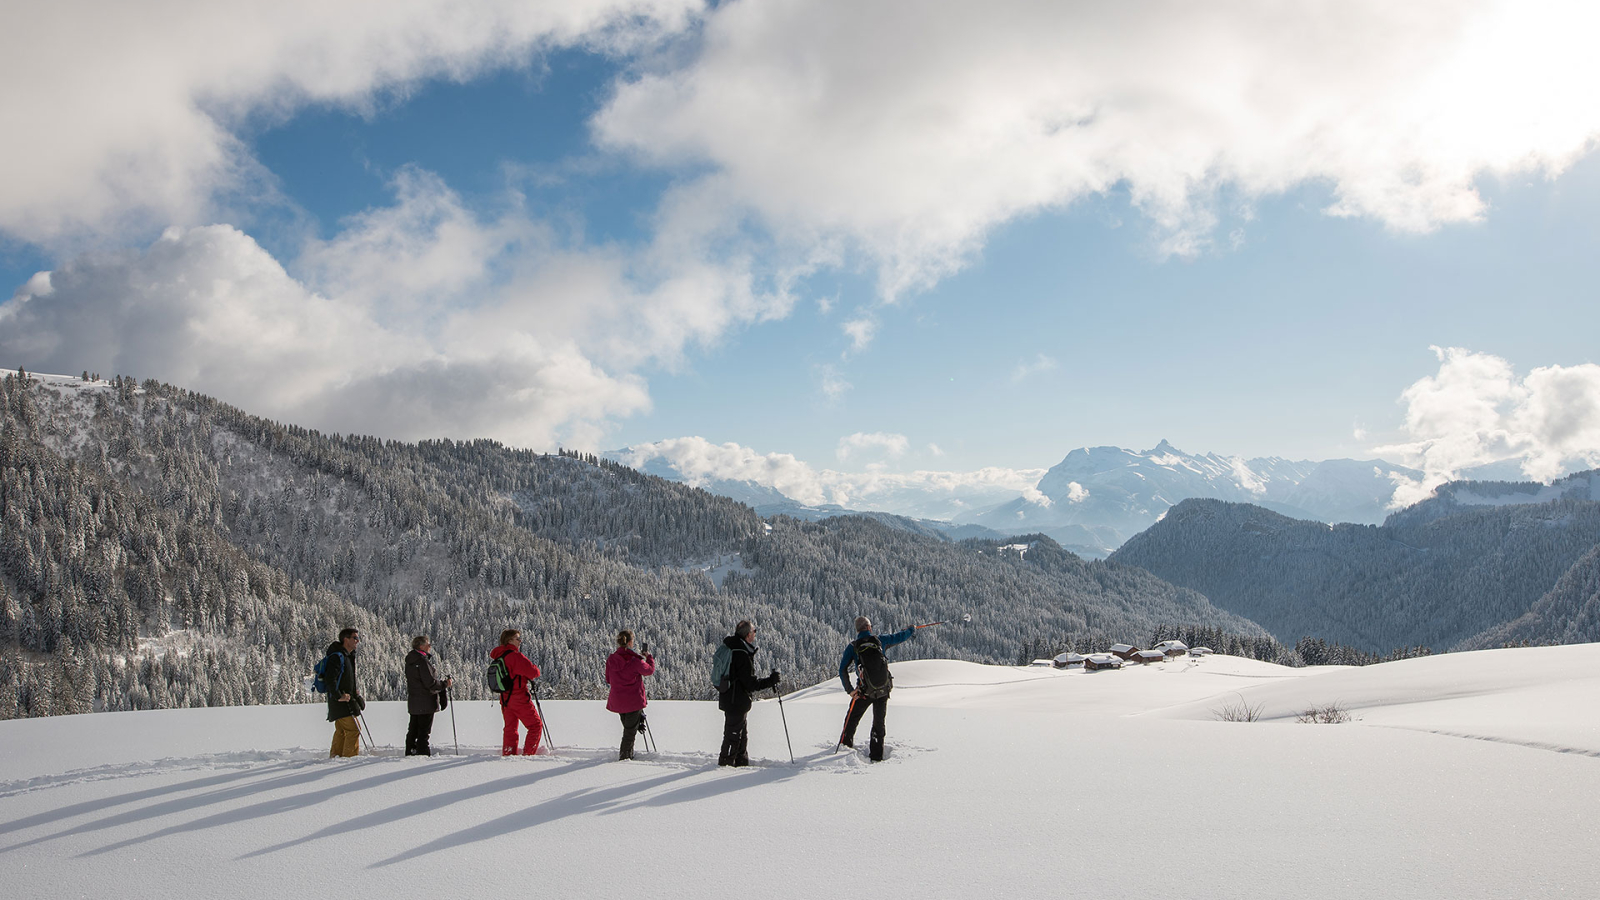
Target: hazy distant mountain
[
  {"x": 1466, "y": 561},
  {"x": 1098, "y": 497},
  {"x": 1108, "y": 494}
]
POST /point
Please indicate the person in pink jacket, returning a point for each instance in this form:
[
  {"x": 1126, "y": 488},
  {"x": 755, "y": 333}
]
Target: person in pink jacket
[
  {"x": 625, "y": 672},
  {"x": 515, "y": 704}
]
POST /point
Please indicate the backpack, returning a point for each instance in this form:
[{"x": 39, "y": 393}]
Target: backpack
[
  {"x": 720, "y": 663},
  {"x": 499, "y": 677},
  {"x": 874, "y": 682},
  {"x": 320, "y": 682}
]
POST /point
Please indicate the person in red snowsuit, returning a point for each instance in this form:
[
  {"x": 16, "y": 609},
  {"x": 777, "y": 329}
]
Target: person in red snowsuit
[
  {"x": 625, "y": 673},
  {"x": 515, "y": 704}
]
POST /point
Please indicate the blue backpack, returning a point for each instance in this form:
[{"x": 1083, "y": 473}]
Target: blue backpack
[{"x": 320, "y": 682}]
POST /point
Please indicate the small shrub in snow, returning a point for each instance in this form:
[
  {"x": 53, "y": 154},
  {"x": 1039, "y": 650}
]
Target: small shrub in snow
[
  {"x": 1240, "y": 710},
  {"x": 1331, "y": 714}
]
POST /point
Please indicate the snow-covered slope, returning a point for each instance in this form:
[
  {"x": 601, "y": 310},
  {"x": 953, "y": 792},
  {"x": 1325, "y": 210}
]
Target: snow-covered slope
[{"x": 1470, "y": 775}]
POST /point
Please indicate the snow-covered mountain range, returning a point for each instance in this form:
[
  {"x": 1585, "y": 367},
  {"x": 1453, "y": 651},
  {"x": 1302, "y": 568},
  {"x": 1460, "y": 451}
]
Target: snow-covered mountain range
[
  {"x": 1092, "y": 501},
  {"x": 1098, "y": 497}
]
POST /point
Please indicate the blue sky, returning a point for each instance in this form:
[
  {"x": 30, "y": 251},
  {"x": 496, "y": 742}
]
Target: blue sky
[{"x": 627, "y": 222}]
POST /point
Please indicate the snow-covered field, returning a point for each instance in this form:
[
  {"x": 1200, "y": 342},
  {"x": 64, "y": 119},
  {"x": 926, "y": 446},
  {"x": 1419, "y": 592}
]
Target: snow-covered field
[{"x": 1469, "y": 775}]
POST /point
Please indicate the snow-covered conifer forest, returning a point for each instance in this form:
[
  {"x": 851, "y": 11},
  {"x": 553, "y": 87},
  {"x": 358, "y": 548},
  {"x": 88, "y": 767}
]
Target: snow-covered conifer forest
[{"x": 159, "y": 548}]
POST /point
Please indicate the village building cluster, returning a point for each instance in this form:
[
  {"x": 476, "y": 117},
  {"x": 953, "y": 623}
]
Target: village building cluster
[{"x": 1122, "y": 654}]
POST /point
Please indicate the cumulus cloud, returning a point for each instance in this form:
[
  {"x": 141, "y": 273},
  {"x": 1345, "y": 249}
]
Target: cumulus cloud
[
  {"x": 892, "y": 445},
  {"x": 1476, "y": 410},
  {"x": 420, "y": 319},
  {"x": 861, "y": 331},
  {"x": 920, "y": 493},
  {"x": 913, "y": 128},
  {"x": 128, "y": 114}
]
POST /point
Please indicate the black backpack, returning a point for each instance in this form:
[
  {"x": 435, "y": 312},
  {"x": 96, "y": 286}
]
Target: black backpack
[{"x": 874, "y": 681}]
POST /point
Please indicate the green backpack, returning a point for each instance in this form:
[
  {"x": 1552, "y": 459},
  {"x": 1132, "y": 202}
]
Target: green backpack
[
  {"x": 500, "y": 678},
  {"x": 720, "y": 663}
]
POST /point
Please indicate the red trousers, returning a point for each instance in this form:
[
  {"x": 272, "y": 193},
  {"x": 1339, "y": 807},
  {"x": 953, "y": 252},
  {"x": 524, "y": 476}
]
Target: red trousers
[{"x": 520, "y": 709}]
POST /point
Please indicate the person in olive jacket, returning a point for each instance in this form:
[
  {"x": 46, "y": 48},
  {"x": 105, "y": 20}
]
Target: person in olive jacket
[
  {"x": 625, "y": 674},
  {"x": 424, "y": 695},
  {"x": 344, "y": 700},
  {"x": 735, "y": 701}
]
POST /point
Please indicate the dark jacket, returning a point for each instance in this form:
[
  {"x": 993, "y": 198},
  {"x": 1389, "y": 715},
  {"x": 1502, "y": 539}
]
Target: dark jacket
[
  {"x": 742, "y": 678},
  {"x": 884, "y": 640},
  {"x": 344, "y": 682},
  {"x": 423, "y": 685}
]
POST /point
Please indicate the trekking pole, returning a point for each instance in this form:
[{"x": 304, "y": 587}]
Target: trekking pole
[
  {"x": 362, "y": 718},
  {"x": 848, "y": 713},
  {"x": 785, "y": 724},
  {"x": 453, "y": 734},
  {"x": 545, "y": 722},
  {"x": 649, "y": 736},
  {"x": 965, "y": 618}
]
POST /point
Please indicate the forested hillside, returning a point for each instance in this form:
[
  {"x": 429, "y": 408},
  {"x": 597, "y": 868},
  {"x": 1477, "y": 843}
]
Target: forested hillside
[
  {"x": 1434, "y": 575},
  {"x": 160, "y": 548},
  {"x": 1568, "y": 614}
]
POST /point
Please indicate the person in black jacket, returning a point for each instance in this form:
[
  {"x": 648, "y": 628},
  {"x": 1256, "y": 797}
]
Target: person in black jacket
[
  {"x": 735, "y": 701},
  {"x": 344, "y": 699},
  {"x": 424, "y": 695}
]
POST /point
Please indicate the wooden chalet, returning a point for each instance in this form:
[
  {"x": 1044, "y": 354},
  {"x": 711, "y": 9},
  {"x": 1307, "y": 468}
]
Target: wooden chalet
[
  {"x": 1068, "y": 660},
  {"x": 1146, "y": 657},
  {"x": 1123, "y": 651},
  {"x": 1172, "y": 648},
  {"x": 1094, "y": 662}
]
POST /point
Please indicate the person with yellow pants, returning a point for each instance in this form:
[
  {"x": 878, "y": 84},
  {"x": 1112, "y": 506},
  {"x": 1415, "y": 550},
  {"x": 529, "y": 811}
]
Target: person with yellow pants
[{"x": 344, "y": 699}]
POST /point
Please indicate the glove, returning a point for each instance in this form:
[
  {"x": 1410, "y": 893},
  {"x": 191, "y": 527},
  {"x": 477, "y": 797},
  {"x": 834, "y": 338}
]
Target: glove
[
  {"x": 361, "y": 703},
  {"x": 774, "y": 676}
]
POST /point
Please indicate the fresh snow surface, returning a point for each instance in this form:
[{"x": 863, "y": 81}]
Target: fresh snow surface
[{"x": 1467, "y": 775}]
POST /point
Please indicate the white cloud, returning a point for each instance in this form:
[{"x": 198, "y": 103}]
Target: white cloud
[
  {"x": 935, "y": 449},
  {"x": 127, "y": 114},
  {"x": 860, "y": 331},
  {"x": 1477, "y": 411},
  {"x": 420, "y": 319},
  {"x": 892, "y": 445},
  {"x": 908, "y": 493},
  {"x": 912, "y": 128},
  {"x": 701, "y": 462},
  {"x": 1076, "y": 493},
  {"x": 833, "y": 384},
  {"x": 1026, "y": 368}
]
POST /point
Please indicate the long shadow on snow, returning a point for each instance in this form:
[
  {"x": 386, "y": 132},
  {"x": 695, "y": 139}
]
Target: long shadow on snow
[
  {"x": 89, "y": 806},
  {"x": 427, "y": 804},
  {"x": 737, "y": 780},
  {"x": 277, "y": 806},
  {"x": 184, "y": 804},
  {"x": 570, "y": 804}
]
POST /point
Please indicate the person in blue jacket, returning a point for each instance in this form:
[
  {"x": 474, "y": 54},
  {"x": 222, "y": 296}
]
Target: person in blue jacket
[{"x": 873, "y": 682}]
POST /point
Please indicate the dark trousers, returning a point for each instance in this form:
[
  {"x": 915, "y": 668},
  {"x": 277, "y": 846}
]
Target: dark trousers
[
  {"x": 632, "y": 724},
  {"x": 858, "y": 708},
  {"x": 417, "y": 735},
  {"x": 735, "y": 738}
]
